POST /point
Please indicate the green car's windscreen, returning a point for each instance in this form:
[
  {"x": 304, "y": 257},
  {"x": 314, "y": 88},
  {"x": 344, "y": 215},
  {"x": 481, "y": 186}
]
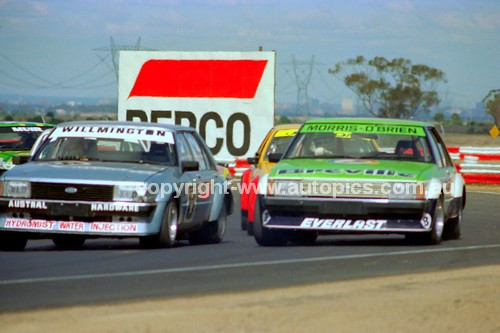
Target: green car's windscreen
[{"x": 337, "y": 140}]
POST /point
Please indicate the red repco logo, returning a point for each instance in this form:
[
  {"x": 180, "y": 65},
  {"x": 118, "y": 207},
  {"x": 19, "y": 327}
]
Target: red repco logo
[{"x": 199, "y": 78}]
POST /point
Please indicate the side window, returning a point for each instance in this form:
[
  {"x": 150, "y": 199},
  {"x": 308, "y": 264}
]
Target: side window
[
  {"x": 443, "y": 153},
  {"x": 198, "y": 152},
  {"x": 184, "y": 151}
]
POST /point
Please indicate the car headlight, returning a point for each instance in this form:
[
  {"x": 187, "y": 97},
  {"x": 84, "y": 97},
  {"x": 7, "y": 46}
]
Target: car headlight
[
  {"x": 284, "y": 188},
  {"x": 131, "y": 192},
  {"x": 17, "y": 189},
  {"x": 407, "y": 191}
]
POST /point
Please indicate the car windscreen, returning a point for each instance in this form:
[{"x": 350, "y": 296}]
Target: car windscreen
[
  {"x": 129, "y": 146},
  {"x": 277, "y": 145},
  {"x": 361, "y": 141},
  {"x": 19, "y": 137}
]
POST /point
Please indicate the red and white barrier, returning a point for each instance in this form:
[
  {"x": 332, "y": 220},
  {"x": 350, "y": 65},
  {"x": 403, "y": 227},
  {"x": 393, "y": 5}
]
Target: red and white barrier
[
  {"x": 237, "y": 167},
  {"x": 477, "y": 164}
]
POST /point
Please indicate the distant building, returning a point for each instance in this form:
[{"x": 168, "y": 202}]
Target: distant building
[{"x": 347, "y": 107}]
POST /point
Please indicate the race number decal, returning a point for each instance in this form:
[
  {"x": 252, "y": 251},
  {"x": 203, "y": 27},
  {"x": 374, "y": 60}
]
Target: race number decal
[{"x": 426, "y": 221}]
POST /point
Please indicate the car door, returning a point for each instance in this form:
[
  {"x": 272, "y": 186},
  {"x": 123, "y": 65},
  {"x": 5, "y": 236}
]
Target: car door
[
  {"x": 205, "y": 177},
  {"x": 187, "y": 182},
  {"x": 446, "y": 168}
]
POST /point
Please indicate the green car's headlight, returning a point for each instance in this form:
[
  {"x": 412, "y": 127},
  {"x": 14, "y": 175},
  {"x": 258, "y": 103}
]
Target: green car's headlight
[
  {"x": 131, "y": 192},
  {"x": 406, "y": 191},
  {"x": 16, "y": 189}
]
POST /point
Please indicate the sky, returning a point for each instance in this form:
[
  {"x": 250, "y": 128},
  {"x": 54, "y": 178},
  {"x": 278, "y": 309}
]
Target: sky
[{"x": 61, "y": 47}]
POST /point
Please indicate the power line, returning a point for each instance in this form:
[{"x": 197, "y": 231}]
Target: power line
[
  {"x": 114, "y": 49},
  {"x": 47, "y": 84}
]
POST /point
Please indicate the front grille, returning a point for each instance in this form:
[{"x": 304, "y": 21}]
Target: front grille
[
  {"x": 52, "y": 191},
  {"x": 341, "y": 188}
]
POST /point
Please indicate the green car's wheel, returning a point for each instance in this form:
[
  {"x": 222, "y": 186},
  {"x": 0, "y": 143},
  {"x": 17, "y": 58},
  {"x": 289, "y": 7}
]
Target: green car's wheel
[
  {"x": 265, "y": 236},
  {"x": 452, "y": 227}
]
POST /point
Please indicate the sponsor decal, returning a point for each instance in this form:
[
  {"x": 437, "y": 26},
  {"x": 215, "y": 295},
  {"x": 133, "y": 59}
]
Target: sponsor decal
[
  {"x": 77, "y": 226},
  {"x": 27, "y": 204},
  {"x": 7, "y": 165},
  {"x": 345, "y": 130},
  {"x": 29, "y": 224},
  {"x": 227, "y": 96},
  {"x": 26, "y": 129},
  {"x": 374, "y": 172},
  {"x": 352, "y": 161},
  {"x": 198, "y": 78},
  {"x": 342, "y": 224},
  {"x": 130, "y": 133},
  {"x": 285, "y": 133},
  {"x": 72, "y": 226},
  {"x": 191, "y": 202},
  {"x": 114, "y": 207},
  {"x": 426, "y": 221},
  {"x": 113, "y": 227}
]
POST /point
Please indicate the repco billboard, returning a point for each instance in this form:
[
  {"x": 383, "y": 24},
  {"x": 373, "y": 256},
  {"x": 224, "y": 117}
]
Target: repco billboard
[{"x": 227, "y": 96}]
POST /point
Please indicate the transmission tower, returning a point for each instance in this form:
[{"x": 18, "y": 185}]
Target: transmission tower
[
  {"x": 303, "y": 79},
  {"x": 114, "y": 50}
]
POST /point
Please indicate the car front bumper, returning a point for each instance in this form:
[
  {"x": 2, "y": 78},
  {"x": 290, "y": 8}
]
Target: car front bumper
[
  {"x": 347, "y": 214},
  {"x": 109, "y": 219}
]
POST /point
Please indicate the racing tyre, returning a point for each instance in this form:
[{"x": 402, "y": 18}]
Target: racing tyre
[
  {"x": 452, "y": 227},
  {"x": 250, "y": 228},
  {"x": 211, "y": 232},
  {"x": 303, "y": 237},
  {"x": 168, "y": 231},
  {"x": 265, "y": 236},
  {"x": 68, "y": 242},
  {"x": 12, "y": 241},
  {"x": 244, "y": 220}
]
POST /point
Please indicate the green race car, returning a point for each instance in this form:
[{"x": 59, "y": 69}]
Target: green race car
[
  {"x": 361, "y": 176},
  {"x": 16, "y": 139}
]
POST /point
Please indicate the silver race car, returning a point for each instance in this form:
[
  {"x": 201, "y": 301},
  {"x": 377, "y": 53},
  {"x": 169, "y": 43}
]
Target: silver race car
[{"x": 157, "y": 182}]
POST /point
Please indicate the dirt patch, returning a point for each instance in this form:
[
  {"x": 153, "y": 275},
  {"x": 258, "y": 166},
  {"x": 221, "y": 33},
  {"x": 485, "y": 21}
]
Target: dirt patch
[
  {"x": 464, "y": 300},
  {"x": 471, "y": 140},
  {"x": 483, "y": 188}
]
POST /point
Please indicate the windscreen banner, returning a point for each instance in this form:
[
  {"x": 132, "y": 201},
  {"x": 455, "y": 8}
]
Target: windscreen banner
[{"x": 227, "y": 96}]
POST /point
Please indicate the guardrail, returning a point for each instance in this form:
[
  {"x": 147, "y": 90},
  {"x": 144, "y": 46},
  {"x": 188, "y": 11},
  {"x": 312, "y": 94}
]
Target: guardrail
[
  {"x": 476, "y": 164},
  {"x": 238, "y": 166}
]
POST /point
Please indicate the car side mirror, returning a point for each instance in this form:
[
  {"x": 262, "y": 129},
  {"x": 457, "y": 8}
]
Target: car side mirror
[
  {"x": 275, "y": 157},
  {"x": 190, "y": 166},
  {"x": 18, "y": 160},
  {"x": 252, "y": 160}
]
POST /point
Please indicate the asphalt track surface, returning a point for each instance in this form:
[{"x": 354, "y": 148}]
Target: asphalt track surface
[{"x": 108, "y": 270}]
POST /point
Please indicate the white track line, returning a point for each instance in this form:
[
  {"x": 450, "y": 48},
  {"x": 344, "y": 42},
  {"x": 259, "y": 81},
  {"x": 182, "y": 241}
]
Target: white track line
[
  {"x": 484, "y": 192},
  {"x": 240, "y": 265}
]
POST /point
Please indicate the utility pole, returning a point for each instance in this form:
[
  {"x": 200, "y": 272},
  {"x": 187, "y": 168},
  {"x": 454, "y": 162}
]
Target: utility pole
[
  {"x": 303, "y": 83},
  {"x": 114, "y": 49}
]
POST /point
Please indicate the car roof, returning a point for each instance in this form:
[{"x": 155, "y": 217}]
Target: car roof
[
  {"x": 126, "y": 123},
  {"x": 380, "y": 121},
  {"x": 23, "y": 124},
  {"x": 286, "y": 126}
]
